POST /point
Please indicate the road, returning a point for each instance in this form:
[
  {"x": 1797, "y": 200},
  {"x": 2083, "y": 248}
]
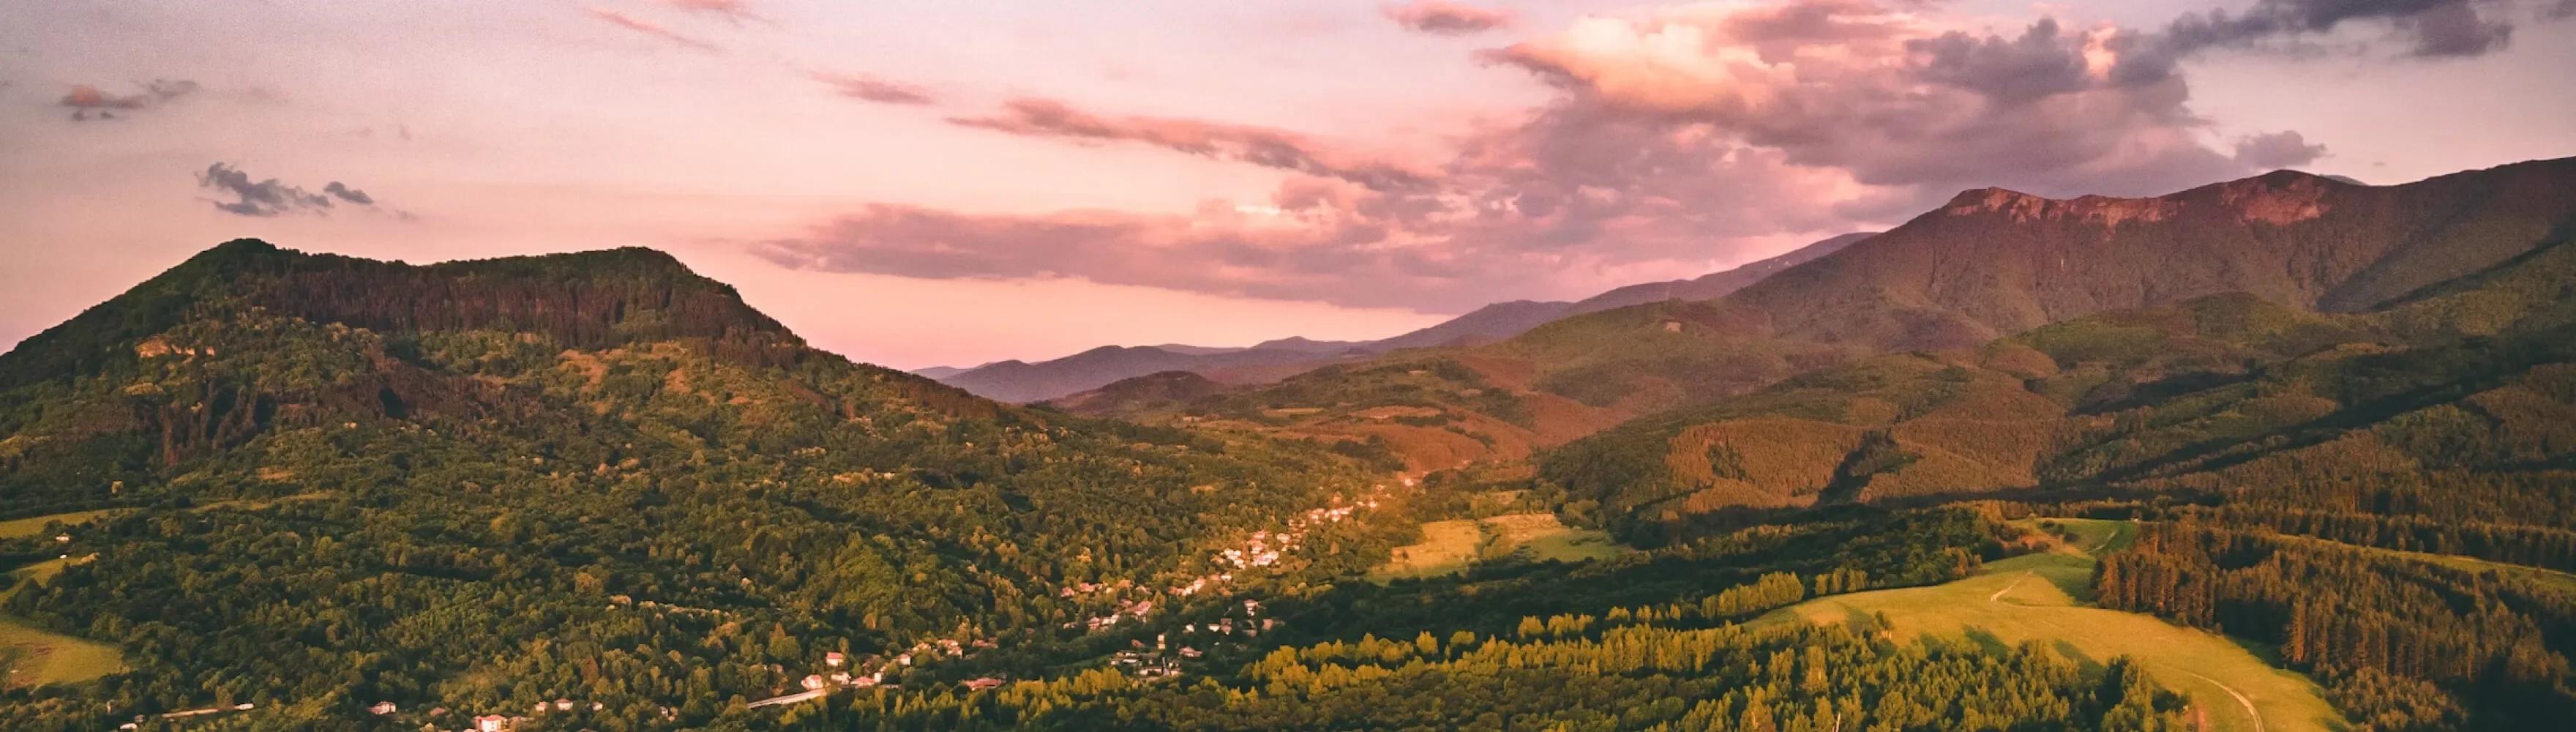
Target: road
[{"x": 791, "y": 698}]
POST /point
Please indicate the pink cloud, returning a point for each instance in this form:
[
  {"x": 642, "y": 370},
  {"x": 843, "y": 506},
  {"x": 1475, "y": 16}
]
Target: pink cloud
[
  {"x": 1048, "y": 118},
  {"x": 872, "y": 89},
  {"x": 1448, "y": 18},
  {"x": 736, "y": 10},
  {"x": 649, "y": 28},
  {"x": 1516, "y": 211},
  {"x": 1676, "y": 139},
  {"x": 90, "y": 102},
  {"x": 1869, "y": 89}
]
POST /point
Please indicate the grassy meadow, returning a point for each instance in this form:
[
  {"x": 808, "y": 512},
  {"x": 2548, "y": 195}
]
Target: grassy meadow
[
  {"x": 2044, "y": 597},
  {"x": 1450, "y": 547}
]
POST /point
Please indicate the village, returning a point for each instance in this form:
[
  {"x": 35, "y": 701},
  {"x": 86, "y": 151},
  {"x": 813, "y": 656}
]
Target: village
[{"x": 1128, "y": 603}]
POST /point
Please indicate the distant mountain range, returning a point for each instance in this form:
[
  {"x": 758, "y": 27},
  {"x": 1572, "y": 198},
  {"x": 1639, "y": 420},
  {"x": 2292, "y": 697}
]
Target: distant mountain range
[
  {"x": 1268, "y": 361},
  {"x": 1989, "y": 264}
]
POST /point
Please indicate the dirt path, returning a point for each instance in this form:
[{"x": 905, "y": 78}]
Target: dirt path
[
  {"x": 2240, "y": 699},
  {"x": 1999, "y": 594}
]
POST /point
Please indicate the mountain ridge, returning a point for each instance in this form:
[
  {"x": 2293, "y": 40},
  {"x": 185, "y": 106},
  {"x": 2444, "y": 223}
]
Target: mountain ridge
[
  {"x": 1021, "y": 381},
  {"x": 1990, "y": 263}
]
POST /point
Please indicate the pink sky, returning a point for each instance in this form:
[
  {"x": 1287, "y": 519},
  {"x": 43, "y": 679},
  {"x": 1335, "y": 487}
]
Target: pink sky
[{"x": 920, "y": 183}]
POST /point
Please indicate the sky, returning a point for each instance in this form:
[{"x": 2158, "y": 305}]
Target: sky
[{"x": 929, "y": 182}]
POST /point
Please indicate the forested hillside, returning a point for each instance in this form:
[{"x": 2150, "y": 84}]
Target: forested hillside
[
  {"x": 2329, "y": 482},
  {"x": 486, "y": 484},
  {"x": 1990, "y": 264}
]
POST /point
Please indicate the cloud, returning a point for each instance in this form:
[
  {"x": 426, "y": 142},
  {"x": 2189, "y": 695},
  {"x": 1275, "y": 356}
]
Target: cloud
[
  {"x": 1516, "y": 211},
  {"x": 89, "y": 102},
  {"x": 2455, "y": 30},
  {"x": 345, "y": 193},
  {"x": 1879, "y": 93},
  {"x": 733, "y": 10},
  {"x": 2433, "y": 28},
  {"x": 2277, "y": 150},
  {"x": 272, "y": 197},
  {"x": 1221, "y": 249},
  {"x": 1447, "y": 18},
  {"x": 872, "y": 89},
  {"x": 1048, "y": 118},
  {"x": 1676, "y": 140},
  {"x": 649, "y": 28}
]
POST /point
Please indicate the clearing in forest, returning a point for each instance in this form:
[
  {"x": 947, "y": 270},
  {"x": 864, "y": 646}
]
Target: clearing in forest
[
  {"x": 30, "y": 656},
  {"x": 34, "y": 657},
  {"x": 2045, "y": 597},
  {"x": 1449, "y": 547},
  {"x": 31, "y": 526}
]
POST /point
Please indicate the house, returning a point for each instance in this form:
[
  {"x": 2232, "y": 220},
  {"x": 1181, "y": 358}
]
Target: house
[
  {"x": 834, "y": 659},
  {"x": 1188, "y": 652},
  {"x": 563, "y": 705},
  {"x": 813, "y": 683},
  {"x": 982, "y": 684},
  {"x": 491, "y": 723},
  {"x": 381, "y": 708}
]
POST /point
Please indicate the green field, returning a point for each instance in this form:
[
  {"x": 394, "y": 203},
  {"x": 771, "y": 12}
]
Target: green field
[
  {"x": 35, "y": 525},
  {"x": 2042, "y": 597},
  {"x": 18, "y": 528},
  {"x": 1449, "y": 547},
  {"x": 32, "y": 657}
]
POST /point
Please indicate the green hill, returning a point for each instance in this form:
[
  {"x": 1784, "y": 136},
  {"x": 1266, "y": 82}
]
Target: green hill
[{"x": 594, "y": 473}]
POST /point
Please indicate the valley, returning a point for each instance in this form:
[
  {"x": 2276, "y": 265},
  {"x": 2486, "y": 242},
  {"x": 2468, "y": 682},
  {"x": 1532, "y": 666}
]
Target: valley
[{"x": 598, "y": 491}]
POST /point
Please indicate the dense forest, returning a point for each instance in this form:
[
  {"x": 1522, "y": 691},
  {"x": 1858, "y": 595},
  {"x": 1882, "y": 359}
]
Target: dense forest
[{"x": 648, "y": 514}]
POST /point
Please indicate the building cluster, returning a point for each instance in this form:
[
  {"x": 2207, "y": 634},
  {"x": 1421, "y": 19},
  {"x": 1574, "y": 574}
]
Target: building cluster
[
  {"x": 1129, "y": 603},
  {"x": 1262, "y": 549}
]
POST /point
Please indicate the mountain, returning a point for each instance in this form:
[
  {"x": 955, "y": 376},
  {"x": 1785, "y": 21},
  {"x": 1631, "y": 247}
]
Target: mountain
[
  {"x": 2364, "y": 488},
  {"x": 1988, "y": 264},
  {"x": 1712, "y": 286},
  {"x": 1270, "y": 361},
  {"x": 1482, "y": 325},
  {"x": 936, "y": 373},
  {"x": 1137, "y": 395},
  {"x": 315, "y": 482},
  {"x": 1302, "y": 344},
  {"x": 1019, "y": 381},
  {"x": 2218, "y": 391}
]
